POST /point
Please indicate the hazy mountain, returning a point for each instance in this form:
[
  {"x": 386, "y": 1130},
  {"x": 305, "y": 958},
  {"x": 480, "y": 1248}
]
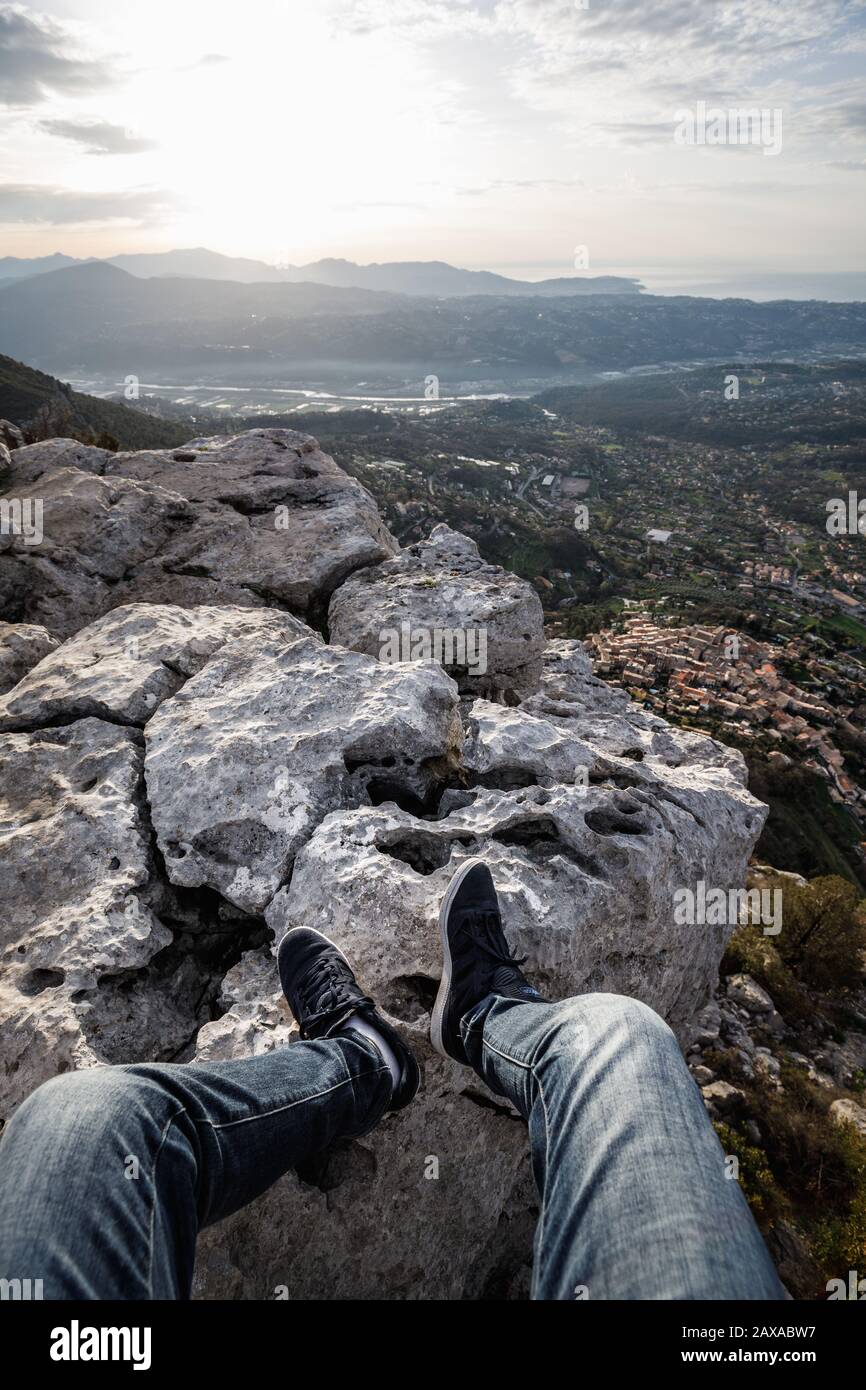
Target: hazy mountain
[
  {"x": 15, "y": 268},
  {"x": 46, "y": 407},
  {"x": 47, "y": 317},
  {"x": 199, "y": 264},
  {"x": 432, "y": 278},
  {"x": 437, "y": 278},
  {"x": 97, "y": 319}
]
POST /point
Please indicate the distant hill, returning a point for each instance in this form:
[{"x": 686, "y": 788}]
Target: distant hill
[
  {"x": 437, "y": 278},
  {"x": 432, "y": 278},
  {"x": 96, "y": 319},
  {"x": 199, "y": 264},
  {"x": 44, "y": 317},
  {"x": 15, "y": 268},
  {"x": 46, "y": 408}
]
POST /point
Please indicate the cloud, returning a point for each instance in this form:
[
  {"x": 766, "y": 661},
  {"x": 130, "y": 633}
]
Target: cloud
[
  {"x": 208, "y": 60},
  {"x": 533, "y": 185},
  {"x": 98, "y": 137},
  {"x": 37, "y": 58},
  {"x": 629, "y": 62},
  {"x": 58, "y": 207}
]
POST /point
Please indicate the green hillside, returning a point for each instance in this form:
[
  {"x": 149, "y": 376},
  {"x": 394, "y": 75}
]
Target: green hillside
[{"x": 46, "y": 408}]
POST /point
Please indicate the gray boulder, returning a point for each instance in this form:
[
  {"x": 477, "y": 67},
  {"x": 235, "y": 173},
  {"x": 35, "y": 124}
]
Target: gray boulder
[
  {"x": 125, "y": 664},
  {"x": 22, "y": 646},
  {"x": 94, "y": 530},
  {"x": 262, "y": 517},
  {"x": 11, "y": 436},
  {"x": 848, "y": 1112},
  {"x": 485, "y": 625},
  {"x": 587, "y": 876},
  {"x": 250, "y": 755},
  {"x": 76, "y": 864},
  {"x": 743, "y": 990}
]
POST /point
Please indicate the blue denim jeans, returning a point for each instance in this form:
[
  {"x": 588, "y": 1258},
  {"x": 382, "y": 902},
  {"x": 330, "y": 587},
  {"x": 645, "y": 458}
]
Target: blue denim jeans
[{"x": 107, "y": 1175}]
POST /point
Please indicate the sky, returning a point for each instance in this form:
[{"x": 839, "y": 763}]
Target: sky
[{"x": 532, "y": 136}]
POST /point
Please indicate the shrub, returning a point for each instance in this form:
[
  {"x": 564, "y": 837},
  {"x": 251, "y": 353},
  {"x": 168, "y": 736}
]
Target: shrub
[
  {"x": 760, "y": 1189},
  {"x": 821, "y": 944},
  {"x": 823, "y": 935}
]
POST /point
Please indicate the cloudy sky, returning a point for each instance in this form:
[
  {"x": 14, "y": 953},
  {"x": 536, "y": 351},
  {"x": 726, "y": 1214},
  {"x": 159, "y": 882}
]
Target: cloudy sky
[{"x": 490, "y": 133}]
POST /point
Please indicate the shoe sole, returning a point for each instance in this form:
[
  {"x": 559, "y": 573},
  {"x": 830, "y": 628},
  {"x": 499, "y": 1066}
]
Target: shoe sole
[{"x": 438, "y": 1015}]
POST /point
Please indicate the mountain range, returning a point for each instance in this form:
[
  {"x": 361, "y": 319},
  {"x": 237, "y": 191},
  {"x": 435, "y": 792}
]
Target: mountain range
[
  {"x": 97, "y": 320},
  {"x": 432, "y": 278}
]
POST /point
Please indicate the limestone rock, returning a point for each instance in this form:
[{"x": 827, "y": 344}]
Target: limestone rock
[
  {"x": 722, "y": 1096},
  {"x": 22, "y": 645},
  {"x": 256, "y": 749},
  {"x": 746, "y": 991},
  {"x": 572, "y": 698},
  {"x": 440, "y": 585},
  {"x": 768, "y": 1066},
  {"x": 568, "y": 687},
  {"x": 125, "y": 664},
  {"x": 849, "y": 1112},
  {"x": 76, "y": 862},
  {"x": 256, "y": 1017},
  {"x": 586, "y": 876},
  {"x": 707, "y": 1024},
  {"x": 10, "y": 435},
  {"x": 259, "y": 517},
  {"x": 94, "y": 530},
  {"x": 703, "y": 1076}
]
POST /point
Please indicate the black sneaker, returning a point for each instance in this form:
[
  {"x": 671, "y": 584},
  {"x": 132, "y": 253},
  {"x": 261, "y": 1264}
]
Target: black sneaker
[
  {"x": 477, "y": 959},
  {"x": 323, "y": 995}
]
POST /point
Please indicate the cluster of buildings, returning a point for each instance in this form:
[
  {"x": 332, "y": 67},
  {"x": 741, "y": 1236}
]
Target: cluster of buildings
[{"x": 722, "y": 677}]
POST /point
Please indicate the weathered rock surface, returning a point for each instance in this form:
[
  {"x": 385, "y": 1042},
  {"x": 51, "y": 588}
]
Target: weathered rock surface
[
  {"x": 742, "y": 989},
  {"x": 10, "y": 435},
  {"x": 262, "y": 517},
  {"x": 443, "y": 584},
  {"x": 848, "y": 1112},
  {"x": 95, "y": 529},
  {"x": 256, "y": 1017},
  {"x": 22, "y": 645},
  {"x": 195, "y": 772},
  {"x": 273, "y": 737},
  {"x": 125, "y": 664},
  {"x": 565, "y": 859},
  {"x": 76, "y": 862}
]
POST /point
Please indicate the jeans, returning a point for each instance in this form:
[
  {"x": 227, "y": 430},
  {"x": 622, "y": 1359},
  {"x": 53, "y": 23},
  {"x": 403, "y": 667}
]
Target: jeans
[{"x": 108, "y": 1174}]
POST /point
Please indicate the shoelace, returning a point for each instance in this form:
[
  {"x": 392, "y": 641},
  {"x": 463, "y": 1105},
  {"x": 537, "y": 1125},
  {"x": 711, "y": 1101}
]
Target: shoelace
[
  {"x": 485, "y": 929},
  {"x": 327, "y": 987}
]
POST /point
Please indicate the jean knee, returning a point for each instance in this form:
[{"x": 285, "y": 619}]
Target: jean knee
[
  {"x": 629, "y": 1019},
  {"x": 89, "y": 1101}
]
